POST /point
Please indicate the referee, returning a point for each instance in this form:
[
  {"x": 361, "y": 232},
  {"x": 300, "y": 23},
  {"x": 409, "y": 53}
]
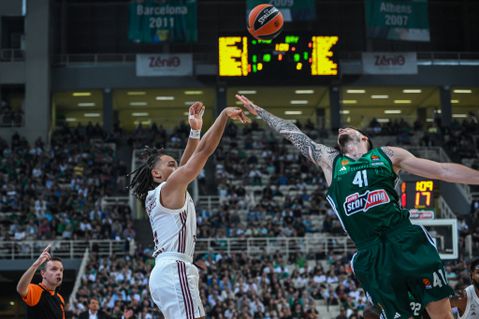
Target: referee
[{"x": 42, "y": 300}]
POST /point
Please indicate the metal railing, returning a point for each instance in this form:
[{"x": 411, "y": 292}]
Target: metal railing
[
  {"x": 209, "y": 202},
  {"x": 284, "y": 245},
  {"x": 88, "y": 58},
  {"x": 117, "y": 58},
  {"x": 12, "y": 120},
  {"x": 67, "y": 249},
  {"x": 444, "y": 210},
  {"x": 429, "y": 58},
  {"x": 81, "y": 271},
  {"x": 424, "y": 58},
  {"x": 12, "y": 55},
  {"x": 108, "y": 201}
]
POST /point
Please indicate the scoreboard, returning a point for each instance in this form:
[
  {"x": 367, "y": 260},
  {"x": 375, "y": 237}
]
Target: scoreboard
[
  {"x": 418, "y": 194},
  {"x": 286, "y": 55}
]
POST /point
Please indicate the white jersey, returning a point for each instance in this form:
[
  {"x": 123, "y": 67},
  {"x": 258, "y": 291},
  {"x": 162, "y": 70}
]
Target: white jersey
[
  {"x": 174, "y": 230},
  {"x": 472, "y": 307}
]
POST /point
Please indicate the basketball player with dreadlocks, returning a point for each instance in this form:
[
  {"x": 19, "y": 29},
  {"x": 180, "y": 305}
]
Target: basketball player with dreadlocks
[
  {"x": 394, "y": 257},
  {"x": 162, "y": 186}
]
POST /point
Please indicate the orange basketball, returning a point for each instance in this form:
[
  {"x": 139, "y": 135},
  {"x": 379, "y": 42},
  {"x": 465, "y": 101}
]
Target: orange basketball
[{"x": 265, "y": 22}]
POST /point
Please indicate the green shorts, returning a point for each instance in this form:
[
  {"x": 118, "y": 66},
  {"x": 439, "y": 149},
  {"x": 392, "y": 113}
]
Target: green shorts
[{"x": 400, "y": 262}]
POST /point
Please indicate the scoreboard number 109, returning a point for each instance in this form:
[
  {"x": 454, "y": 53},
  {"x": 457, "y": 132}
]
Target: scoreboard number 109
[{"x": 417, "y": 194}]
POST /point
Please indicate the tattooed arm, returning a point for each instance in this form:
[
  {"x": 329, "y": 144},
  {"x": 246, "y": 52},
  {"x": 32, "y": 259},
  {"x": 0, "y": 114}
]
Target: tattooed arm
[
  {"x": 316, "y": 153},
  {"x": 448, "y": 172},
  {"x": 319, "y": 154}
]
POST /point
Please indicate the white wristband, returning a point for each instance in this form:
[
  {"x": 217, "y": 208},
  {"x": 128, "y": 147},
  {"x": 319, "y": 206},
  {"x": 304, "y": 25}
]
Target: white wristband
[{"x": 195, "y": 134}]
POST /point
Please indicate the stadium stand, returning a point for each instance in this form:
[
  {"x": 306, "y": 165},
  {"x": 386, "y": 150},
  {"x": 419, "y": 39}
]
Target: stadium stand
[{"x": 74, "y": 111}]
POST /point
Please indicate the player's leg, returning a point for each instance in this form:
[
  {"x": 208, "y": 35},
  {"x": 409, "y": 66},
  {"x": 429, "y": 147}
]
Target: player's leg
[
  {"x": 424, "y": 271},
  {"x": 192, "y": 283},
  {"x": 175, "y": 290},
  {"x": 375, "y": 268},
  {"x": 371, "y": 313},
  {"x": 440, "y": 309}
]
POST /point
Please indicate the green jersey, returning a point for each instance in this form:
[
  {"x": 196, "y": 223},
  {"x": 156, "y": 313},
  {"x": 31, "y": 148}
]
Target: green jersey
[
  {"x": 416, "y": 308},
  {"x": 363, "y": 196}
]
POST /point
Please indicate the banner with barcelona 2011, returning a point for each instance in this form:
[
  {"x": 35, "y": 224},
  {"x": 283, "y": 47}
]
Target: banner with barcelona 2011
[{"x": 155, "y": 21}]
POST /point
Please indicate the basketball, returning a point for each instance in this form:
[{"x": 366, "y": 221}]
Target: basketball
[{"x": 265, "y": 22}]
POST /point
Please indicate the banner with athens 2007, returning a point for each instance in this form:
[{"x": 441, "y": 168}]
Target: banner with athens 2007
[
  {"x": 155, "y": 21},
  {"x": 406, "y": 20}
]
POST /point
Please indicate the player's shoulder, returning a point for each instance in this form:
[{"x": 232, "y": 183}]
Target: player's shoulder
[
  {"x": 329, "y": 154},
  {"x": 396, "y": 154},
  {"x": 391, "y": 151},
  {"x": 154, "y": 192}
]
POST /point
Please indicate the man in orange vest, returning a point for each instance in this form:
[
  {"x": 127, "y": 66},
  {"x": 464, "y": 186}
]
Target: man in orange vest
[{"x": 42, "y": 300}]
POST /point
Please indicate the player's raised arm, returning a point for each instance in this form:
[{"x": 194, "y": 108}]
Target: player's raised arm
[
  {"x": 173, "y": 193},
  {"x": 448, "y": 172},
  {"x": 319, "y": 154},
  {"x": 195, "y": 119}
]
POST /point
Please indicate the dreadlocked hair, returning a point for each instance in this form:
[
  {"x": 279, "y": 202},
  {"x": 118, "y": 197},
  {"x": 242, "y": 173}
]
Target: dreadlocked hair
[{"x": 141, "y": 180}]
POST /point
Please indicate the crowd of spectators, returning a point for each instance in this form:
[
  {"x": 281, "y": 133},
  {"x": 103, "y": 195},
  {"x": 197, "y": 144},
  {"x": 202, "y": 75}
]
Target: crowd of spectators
[
  {"x": 269, "y": 212},
  {"x": 259, "y": 176},
  {"x": 398, "y": 127},
  {"x": 236, "y": 286},
  {"x": 158, "y": 136},
  {"x": 119, "y": 283},
  {"x": 459, "y": 139},
  {"x": 52, "y": 192},
  {"x": 240, "y": 286},
  {"x": 10, "y": 117},
  {"x": 262, "y": 176},
  {"x": 260, "y": 157},
  {"x": 265, "y": 189}
]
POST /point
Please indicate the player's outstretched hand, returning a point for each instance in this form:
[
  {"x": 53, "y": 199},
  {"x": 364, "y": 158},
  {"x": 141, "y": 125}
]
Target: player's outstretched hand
[
  {"x": 195, "y": 115},
  {"x": 44, "y": 256},
  {"x": 237, "y": 114},
  {"x": 250, "y": 106}
]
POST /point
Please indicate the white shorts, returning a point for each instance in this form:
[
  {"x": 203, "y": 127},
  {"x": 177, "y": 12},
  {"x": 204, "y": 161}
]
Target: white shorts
[{"x": 174, "y": 287}]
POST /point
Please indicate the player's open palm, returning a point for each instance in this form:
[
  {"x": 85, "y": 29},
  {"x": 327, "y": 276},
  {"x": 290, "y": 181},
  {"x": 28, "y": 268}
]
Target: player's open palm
[
  {"x": 236, "y": 114},
  {"x": 195, "y": 115},
  {"x": 250, "y": 106}
]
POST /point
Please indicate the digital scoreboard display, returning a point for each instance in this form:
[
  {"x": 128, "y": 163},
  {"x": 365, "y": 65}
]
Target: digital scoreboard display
[
  {"x": 418, "y": 194},
  {"x": 286, "y": 55}
]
